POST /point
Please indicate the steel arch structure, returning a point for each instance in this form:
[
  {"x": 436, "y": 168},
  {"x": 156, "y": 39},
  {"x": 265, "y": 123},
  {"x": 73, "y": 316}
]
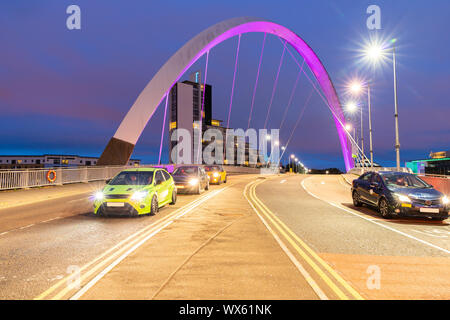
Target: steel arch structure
[{"x": 121, "y": 145}]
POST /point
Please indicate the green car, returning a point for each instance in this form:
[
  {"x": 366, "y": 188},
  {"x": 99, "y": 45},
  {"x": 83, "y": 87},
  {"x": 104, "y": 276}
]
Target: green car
[{"x": 136, "y": 192}]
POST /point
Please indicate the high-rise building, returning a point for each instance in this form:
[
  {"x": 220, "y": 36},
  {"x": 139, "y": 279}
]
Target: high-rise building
[{"x": 186, "y": 99}]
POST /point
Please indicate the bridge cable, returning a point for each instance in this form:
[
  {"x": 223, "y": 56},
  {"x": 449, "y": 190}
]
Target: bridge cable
[
  {"x": 234, "y": 78},
  {"x": 352, "y": 141},
  {"x": 256, "y": 82},
  {"x": 275, "y": 84},
  {"x": 291, "y": 97},
  {"x": 300, "y": 116},
  {"x": 199, "y": 145},
  {"x": 163, "y": 127}
]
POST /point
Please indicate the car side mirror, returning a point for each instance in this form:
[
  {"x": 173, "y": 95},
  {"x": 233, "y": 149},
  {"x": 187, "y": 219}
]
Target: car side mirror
[
  {"x": 158, "y": 182},
  {"x": 375, "y": 184},
  {"x": 108, "y": 181}
]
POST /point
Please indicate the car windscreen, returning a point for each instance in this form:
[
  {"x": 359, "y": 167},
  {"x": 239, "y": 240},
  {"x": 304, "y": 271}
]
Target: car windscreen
[
  {"x": 404, "y": 181},
  {"x": 212, "y": 168},
  {"x": 185, "y": 171},
  {"x": 133, "y": 178}
]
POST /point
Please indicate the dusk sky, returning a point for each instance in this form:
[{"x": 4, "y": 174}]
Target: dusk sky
[{"x": 66, "y": 91}]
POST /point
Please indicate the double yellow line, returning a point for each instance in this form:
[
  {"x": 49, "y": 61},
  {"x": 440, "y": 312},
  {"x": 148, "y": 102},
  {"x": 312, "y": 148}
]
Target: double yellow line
[
  {"x": 61, "y": 289},
  {"x": 324, "y": 272}
]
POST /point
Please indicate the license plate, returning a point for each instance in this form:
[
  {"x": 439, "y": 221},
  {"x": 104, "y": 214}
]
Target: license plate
[
  {"x": 406, "y": 205},
  {"x": 429, "y": 210},
  {"x": 115, "y": 204},
  {"x": 180, "y": 187}
]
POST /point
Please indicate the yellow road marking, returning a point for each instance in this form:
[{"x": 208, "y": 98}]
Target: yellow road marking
[
  {"x": 126, "y": 244},
  {"x": 277, "y": 223}
]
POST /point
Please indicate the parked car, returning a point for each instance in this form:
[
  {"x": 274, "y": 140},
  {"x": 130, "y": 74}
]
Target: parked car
[
  {"x": 216, "y": 174},
  {"x": 190, "y": 178},
  {"x": 400, "y": 194},
  {"x": 135, "y": 192}
]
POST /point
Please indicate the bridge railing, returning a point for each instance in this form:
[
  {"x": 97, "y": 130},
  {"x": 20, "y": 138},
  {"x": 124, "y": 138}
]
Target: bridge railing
[
  {"x": 28, "y": 178},
  {"x": 360, "y": 171},
  {"x": 39, "y": 177}
]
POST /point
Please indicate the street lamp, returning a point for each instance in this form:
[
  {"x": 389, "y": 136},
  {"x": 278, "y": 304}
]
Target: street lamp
[
  {"x": 290, "y": 160},
  {"x": 374, "y": 52},
  {"x": 356, "y": 87}
]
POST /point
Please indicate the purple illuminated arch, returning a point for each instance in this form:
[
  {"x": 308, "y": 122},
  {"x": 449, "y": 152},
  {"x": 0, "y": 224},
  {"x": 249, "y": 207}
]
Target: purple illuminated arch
[{"x": 121, "y": 145}]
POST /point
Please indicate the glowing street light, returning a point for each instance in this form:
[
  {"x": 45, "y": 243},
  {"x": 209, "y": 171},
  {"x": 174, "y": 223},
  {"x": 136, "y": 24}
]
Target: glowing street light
[
  {"x": 375, "y": 52},
  {"x": 352, "y": 106},
  {"x": 348, "y": 127}
]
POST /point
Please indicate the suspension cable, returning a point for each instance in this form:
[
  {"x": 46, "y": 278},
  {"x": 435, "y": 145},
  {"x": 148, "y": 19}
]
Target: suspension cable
[
  {"x": 275, "y": 85},
  {"x": 256, "y": 82},
  {"x": 326, "y": 102},
  {"x": 300, "y": 116},
  {"x": 234, "y": 78},
  {"x": 163, "y": 127},
  {"x": 199, "y": 146},
  {"x": 292, "y": 96}
]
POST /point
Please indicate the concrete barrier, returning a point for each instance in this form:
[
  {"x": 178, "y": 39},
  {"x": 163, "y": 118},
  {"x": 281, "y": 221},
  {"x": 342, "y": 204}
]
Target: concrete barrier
[{"x": 441, "y": 184}]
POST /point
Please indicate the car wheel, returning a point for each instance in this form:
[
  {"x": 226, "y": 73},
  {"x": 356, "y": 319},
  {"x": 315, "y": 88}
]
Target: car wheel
[
  {"x": 199, "y": 188},
  {"x": 174, "y": 197},
  {"x": 384, "y": 208},
  {"x": 154, "y": 206},
  {"x": 225, "y": 181},
  {"x": 207, "y": 185},
  {"x": 356, "y": 199}
]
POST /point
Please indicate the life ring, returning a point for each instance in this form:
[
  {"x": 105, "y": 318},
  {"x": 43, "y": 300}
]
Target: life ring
[{"x": 49, "y": 173}]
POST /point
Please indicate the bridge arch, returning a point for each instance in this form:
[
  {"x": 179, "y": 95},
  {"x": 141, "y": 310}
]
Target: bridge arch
[{"x": 121, "y": 145}]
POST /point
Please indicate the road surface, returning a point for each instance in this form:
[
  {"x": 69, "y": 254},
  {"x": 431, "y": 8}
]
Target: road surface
[{"x": 277, "y": 237}]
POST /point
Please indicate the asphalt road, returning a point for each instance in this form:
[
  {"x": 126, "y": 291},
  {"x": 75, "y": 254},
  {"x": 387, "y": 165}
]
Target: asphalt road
[
  {"x": 410, "y": 257},
  {"x": 40, "y": 242},
  {"x": 280, "y": 237}
]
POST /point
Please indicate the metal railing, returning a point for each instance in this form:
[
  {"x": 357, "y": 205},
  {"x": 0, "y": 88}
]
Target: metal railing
[
  {"x": 28, "y": 178},
  {"x": 360, "y": 171}
]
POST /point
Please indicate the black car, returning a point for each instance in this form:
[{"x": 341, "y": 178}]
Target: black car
[
  {"x": 190, "y": 179},
  {"x": 398, "y": 194}
]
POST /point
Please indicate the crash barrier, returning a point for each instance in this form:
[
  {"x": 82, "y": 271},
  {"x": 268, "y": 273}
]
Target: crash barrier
[
  {"x": 29, "y": 178},
  {"x": 440, "y": 183},
  {"x": 360, "y": 171}
]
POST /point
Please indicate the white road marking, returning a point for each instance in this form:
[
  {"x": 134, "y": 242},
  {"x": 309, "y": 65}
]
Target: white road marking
[
  {"x": 99, "y": 276},
  {"x": 50, "y": 220},
  {"x": 376, "y": 221},
  {"x": 282, "y": 181},
  {"x": 30, "y": 225}
]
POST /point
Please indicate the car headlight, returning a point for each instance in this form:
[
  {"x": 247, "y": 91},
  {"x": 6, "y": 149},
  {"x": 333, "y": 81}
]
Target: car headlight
[
  {"x": 445, "y": 200},
  {"x": 138, "y": 195},
  {"x": 99, "y": 196},
  {"x": 215, "y": 174},
  {"x": 193, "y": 182},
  {"x": 403, "y": 198}
]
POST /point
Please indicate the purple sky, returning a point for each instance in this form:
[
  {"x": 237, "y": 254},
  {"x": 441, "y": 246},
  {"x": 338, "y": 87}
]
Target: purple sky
[{"x": 66, "y": 91}]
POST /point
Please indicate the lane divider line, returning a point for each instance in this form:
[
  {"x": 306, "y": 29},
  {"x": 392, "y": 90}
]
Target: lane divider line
[
  {"x": 323, "y": 263},
  {"x": 375, "y": 221},
  {"x": 125, "y": 244},
  {"x": 313, "y": 284},
  {"x": 172, "y": 216},
  {"x": 136, "y": 246},
  {"x": 302, "y": 253},
  {"x": 99, "y": 276}
]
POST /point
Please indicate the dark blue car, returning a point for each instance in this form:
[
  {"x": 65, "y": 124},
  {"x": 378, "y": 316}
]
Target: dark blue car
[{"x": 399, "y": 194}]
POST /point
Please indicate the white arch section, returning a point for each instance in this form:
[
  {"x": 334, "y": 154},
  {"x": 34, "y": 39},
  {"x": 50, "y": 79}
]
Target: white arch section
[{"x": 121, "y": 145}]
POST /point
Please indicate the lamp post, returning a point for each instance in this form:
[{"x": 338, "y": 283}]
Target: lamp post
[
  {"x": 375, "y": 52},
  {"x": 356, "y": 87},
  {"x": 397, "y": 139}
]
